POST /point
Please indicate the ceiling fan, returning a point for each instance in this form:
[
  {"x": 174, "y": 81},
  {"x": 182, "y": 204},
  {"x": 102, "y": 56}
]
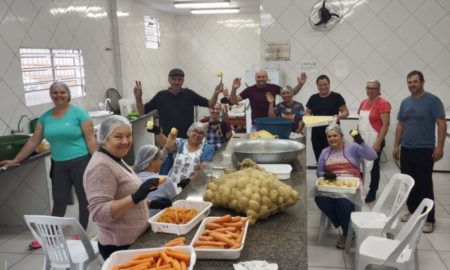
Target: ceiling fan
[{"x": 324, "y": 15}]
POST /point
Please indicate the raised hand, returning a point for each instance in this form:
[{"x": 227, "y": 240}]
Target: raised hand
[
  {"x": 219, "y": 88},
  {"x": 236, "y": 83},
  {"x": 138, "y": 89},
  {"x": 302, "y": 78},
  {"x": 270, "y": 98}
]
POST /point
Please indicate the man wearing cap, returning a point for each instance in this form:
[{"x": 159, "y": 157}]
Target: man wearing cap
[
  {"x": 257, "y": 93},
  {"x": 176, "y": 104}
]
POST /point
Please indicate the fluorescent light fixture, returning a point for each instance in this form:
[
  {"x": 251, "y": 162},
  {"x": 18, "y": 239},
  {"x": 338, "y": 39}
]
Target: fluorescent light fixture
[
  {"x": 221, "y": 4},
  {"x": 215, "y": 11}
]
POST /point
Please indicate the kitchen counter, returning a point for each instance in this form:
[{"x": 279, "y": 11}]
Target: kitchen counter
[{"x": 281, "y": 238}]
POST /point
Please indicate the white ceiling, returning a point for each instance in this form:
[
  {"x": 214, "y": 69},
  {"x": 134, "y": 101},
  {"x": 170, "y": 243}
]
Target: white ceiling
[{"x": 167, "y": 5}]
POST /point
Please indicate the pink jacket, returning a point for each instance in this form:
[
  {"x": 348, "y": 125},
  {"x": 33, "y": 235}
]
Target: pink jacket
[{"x": 105, "y": 181}]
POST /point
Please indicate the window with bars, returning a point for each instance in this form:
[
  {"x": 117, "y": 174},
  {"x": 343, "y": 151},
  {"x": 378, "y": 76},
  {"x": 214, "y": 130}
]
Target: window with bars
[
  {"x": 41, "y": 67},
  {"x": 152, "y": 33}
]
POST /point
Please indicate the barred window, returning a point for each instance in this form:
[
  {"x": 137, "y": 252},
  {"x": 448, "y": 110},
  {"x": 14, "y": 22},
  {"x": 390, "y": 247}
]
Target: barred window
[
  {"x": 41, "y": 67},
  {"x": 152, "y": 33}
]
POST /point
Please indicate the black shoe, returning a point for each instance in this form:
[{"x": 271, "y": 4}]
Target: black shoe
[{"x": 371, "y": 196}]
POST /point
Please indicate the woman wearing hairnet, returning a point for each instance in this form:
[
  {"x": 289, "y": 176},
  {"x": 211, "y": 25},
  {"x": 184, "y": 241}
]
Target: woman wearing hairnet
[
  {"x": 116, "y": 196},
  {"x": 146, "y": 166},
  {"x": 340, "y": 158},
  {"x": 191, "y": 154}
]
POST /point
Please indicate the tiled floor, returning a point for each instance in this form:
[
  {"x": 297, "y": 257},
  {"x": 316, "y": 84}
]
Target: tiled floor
[{"x": 434, "y": 249}]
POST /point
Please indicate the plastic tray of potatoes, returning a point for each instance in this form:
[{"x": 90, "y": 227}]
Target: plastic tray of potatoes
[
  {"x": 317, "y": 120},
  {"x": 343, "y": 184}
]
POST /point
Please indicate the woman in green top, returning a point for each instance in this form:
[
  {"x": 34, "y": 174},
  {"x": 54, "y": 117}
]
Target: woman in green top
[{"x": 70, "y": 132}]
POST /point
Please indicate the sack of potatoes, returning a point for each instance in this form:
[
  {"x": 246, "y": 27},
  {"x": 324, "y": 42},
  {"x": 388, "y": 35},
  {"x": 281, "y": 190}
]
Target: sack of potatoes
[{"x": 251, "y": 191}]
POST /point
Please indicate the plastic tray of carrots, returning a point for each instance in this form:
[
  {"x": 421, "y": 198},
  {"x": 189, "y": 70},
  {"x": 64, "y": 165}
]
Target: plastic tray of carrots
[
  {"x": 180, "y": 223},
  {"x": 220, "y": 237},
  {"x": 175, "y": 258}
]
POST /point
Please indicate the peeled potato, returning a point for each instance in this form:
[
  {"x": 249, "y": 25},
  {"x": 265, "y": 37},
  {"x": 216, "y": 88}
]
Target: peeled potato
[
  {"x": 149, "y": 125},
  {"x": 219, "y": 73},
  {"x": 354, "y": 133},
  {"x": 174, "y": 131}
]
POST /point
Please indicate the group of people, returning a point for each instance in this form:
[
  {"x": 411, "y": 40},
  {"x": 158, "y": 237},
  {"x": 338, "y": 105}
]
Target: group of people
[
  {"x": 415, "y": 145},
  {"x": 119, "y": 197}
]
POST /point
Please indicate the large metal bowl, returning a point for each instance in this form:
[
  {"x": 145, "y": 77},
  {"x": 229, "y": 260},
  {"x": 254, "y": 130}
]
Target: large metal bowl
[{"x": 267, "y": 150}]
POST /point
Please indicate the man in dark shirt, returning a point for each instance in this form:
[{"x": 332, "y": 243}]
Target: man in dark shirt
[
  {"x": 175, "y": 105},
  {"x": 257, "y": 93},
  {"x": 325, "y": 102}
]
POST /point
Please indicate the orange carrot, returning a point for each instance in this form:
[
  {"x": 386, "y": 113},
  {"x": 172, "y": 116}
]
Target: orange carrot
[
  {"x": 213, "y": 226},
  {"x": 176, "y": 264},
  {"x": 205, "y": 238},
  {"x": 209, "y": 243},
  {"x": 229, "y": 229},
  {"x": 235, "y": 219},
  {"x": 226, "y": 218},
  {"x": 164, "y": 257},
  {"x": 179, "y": 255},
  {"x": 221, "y": 237},
  {"x": 145, "y": 255},
  {"x": 183, "y": 265},
  {"x": 238, "y": 224},
  {"x": 210, "y": 247}
]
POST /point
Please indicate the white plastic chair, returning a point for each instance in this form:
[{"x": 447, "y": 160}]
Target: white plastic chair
[
  {"x": 364, "y": 224},
  {"x": 59, "y": 252},
  {"x": 400, "y": 252}
]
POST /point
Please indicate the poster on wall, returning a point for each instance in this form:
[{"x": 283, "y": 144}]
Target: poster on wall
[{"x": 277, "y": 51}]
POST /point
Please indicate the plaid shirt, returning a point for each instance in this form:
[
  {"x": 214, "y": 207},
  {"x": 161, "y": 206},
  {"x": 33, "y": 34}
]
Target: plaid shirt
[{"x": 215, "y": 135}]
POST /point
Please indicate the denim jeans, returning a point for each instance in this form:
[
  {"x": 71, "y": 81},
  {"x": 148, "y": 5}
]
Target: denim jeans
[{"x": 338, "y": 210}]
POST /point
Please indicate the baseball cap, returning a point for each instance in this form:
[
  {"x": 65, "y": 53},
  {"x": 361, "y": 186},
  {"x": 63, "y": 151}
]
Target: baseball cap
[{"x": 176, "y": 72}]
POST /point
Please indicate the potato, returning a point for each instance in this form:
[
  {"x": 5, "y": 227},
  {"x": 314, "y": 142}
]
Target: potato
[
  {"x": 243, "y": 203},
  {"x": 254, "y": 205}
]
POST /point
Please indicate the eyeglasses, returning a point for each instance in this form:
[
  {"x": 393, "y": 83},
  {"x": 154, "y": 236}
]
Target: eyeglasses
[
  {"x": 198, "y": 132},
  {"x": 372, "y": 88}
]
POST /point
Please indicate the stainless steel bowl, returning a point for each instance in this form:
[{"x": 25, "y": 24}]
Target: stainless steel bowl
[{"x": 267, "y": 150}]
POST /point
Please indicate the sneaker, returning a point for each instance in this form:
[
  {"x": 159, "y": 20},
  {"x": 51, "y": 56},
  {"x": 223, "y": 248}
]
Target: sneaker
[
  {"x": 405, "y": 217},
  {"x": 75, "y": 237},
  {"x": 428, "y": 227},
  {"x": 340, "y": 244},
  {"x": 371, "y": 196},
  {"x": 34, "y": 245}
]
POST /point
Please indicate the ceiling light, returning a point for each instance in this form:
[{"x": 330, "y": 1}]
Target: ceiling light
[
  {"x": 215, "y": 11},
  {"x": 220, "y": 4}
]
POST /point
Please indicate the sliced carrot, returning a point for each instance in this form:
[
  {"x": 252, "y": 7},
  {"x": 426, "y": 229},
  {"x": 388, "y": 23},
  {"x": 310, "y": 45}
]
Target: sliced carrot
[
  {"x": 176, "y": 264},
  {"x": 238, "y": 224},
  {"x": 164, "y": 257},
  {"x": 209, "y": 243},
  {"x": 205, "y": 238},
  {"x": 226, "y": 218},
  {"x": 221, "y": 237},
  {"x": 213, "y": 226},
  {"x": 210, "y": 247},
  {"x": 145, "y": 255},
  {"x": 183, "y": 265},
  {"x": 179, "y": 255},
  {"x": 226, "y": 229},
  {"x": 235, "y": 219}
]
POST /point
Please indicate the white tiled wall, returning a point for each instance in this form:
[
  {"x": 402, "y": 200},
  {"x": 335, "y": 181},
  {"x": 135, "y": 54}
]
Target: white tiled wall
[
  {"x": 30, "y": 24},
  {"x": 150, "y": 66},
  {"x": 376, "y": 39},
  {"x": 211, "y": 43}
]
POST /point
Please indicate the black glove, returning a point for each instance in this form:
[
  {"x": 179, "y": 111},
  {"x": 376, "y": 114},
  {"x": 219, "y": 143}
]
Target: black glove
[
  {"x": 356, "y": 137},
  {"x": 329, "y": 176},
  {"x": 155, "y": 130},
  {"x": 224, "y": 100},
  {"x": 145, "y": 188},
  {"x": 160, "y": 203},
  {"x": 184, "y": 182}
]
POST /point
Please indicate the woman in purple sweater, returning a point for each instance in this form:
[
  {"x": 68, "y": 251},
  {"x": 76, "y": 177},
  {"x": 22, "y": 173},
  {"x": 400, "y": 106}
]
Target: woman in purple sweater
[{"x": 341, "y": 158}]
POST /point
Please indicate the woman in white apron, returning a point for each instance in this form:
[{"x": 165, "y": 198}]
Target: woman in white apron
[
  {"x": 374, "y": 118},
  {"x": 340, "y": 159}
]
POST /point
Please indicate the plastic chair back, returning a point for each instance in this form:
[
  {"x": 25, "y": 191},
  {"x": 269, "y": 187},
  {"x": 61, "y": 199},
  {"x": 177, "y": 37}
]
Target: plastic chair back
[
  {"x": 48, "y": 231},
  {"x": 405, "y": 184},
  {"x": 410, "y": 233}
]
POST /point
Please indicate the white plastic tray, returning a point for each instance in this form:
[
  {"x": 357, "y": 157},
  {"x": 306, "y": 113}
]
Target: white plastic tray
[
  {"x": 203, "y": 209},
  {"x": 221, "y": 254},
  {"x": 335, "y": 189},
  {"x": 282, "y": 171},
  {"x": 123, "y": 256},
  {"x": 317, "y": 120}
]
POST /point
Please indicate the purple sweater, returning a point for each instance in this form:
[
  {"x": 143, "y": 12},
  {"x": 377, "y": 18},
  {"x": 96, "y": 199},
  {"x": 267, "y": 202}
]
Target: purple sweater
[
  {"x": 355, "y": 153},
  {"x": 105, "y": 181}
]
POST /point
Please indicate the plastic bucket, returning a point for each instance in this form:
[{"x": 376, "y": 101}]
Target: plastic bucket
[
  {"x": 126, "y": 106},
  {"x": 275, "y": 125}
]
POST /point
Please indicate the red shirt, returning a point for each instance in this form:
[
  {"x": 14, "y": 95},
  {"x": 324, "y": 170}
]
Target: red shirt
[
  {"x": 258, "y": 100},
  {"x": 380, "y": 106}
]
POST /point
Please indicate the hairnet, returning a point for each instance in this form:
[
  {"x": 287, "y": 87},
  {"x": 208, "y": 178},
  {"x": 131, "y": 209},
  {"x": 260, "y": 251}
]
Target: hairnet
[
  {"x": 334, "y": 127},
  {"x": 144, "y": 155},
  {"x": 197, "y": 125},
  {"x": 109, "y": 125},
  {"x": 287, "y": 88}
]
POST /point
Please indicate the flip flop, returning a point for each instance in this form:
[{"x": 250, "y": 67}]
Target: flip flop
[{"x": 34, "y": 245}]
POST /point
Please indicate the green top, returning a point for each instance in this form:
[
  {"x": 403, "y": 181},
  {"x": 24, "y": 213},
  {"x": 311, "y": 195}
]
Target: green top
[{"x": 65, "y": 134}]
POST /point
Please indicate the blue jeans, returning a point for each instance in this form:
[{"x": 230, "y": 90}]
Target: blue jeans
[{"x": 337, "y": 210}]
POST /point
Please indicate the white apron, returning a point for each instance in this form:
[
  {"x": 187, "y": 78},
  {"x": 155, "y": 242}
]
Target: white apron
[
  {"x": 368, "y": 133},
  {"x": 184, "y": 164}
]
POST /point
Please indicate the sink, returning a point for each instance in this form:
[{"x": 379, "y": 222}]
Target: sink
[
  {"x": 103, "y": 113},
  {"x": 10, "y": 145}
]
